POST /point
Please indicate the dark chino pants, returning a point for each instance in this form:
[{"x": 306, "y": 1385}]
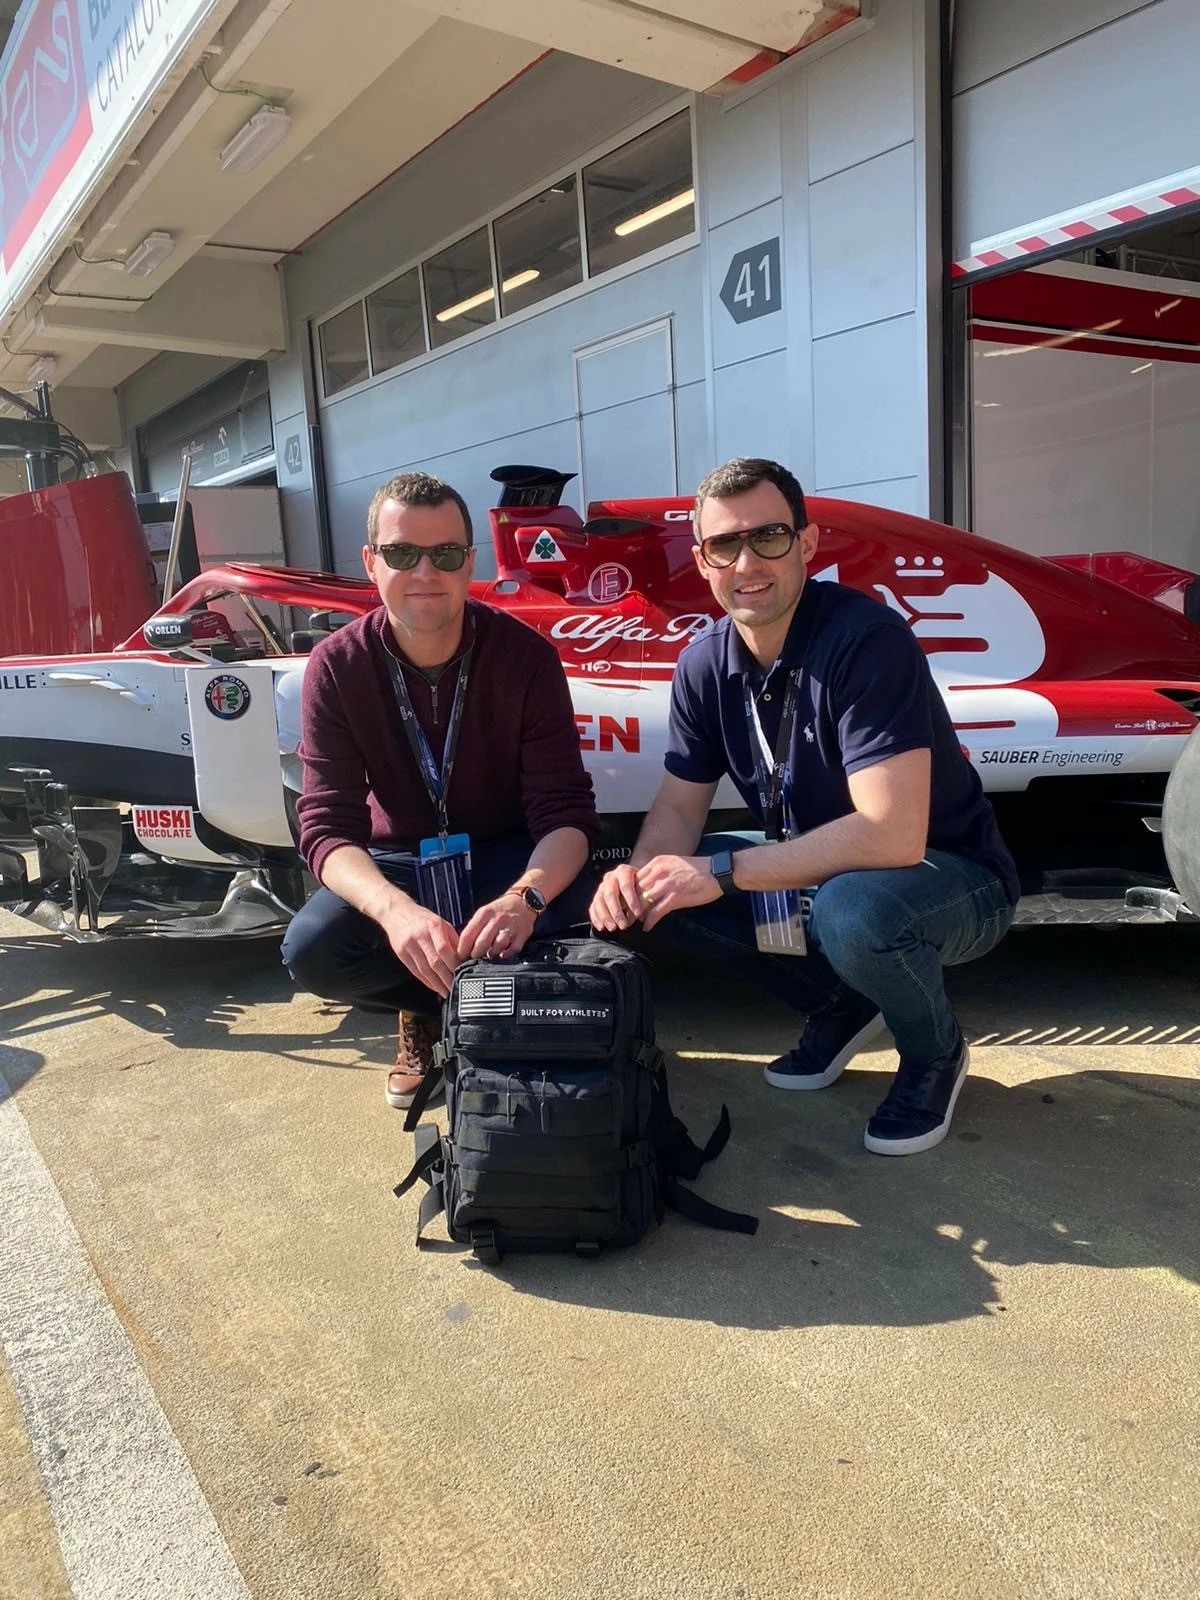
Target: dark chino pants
[{"x": 333, "y": 950}]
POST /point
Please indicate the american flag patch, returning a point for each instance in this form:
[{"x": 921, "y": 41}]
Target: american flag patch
[{"x": 487, "y": 997}]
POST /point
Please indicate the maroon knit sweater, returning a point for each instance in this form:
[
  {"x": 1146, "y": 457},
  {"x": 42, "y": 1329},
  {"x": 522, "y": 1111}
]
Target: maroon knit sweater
[{"x": 517, "y": 766}]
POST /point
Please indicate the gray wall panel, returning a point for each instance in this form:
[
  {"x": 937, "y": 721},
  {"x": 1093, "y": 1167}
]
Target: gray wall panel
[
  {"x": 1110, "y": 111},
  {"x": 869, "y": 424},
  {"x": 738, "y": 341},
  {"x": 991, "y": 37},
  {"x": 896, "y": 494},
  {"x": 861, "y": 97},
  {"x": 744, "y": 167},
  {"x": 629, "y": 450},
  {"x": 694, "y": 452},
  {"x": 751, "y": 421},
  {"x": 864, "y": 245},
  {"x": 627, "y": 369},
  {"x": 468, "y": 470}
]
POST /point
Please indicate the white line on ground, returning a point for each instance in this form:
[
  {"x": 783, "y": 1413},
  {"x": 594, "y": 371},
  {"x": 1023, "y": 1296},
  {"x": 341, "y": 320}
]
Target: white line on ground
[{"x": 132, "y": 1521}]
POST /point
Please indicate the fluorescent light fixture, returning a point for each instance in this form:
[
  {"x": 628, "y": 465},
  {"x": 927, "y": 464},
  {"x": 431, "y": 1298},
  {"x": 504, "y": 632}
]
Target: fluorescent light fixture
[
  {"x": 517, "y": 281},
  {"x": 42, "y": 369},
  {"x": 254, "y": 140},
  {"x": 644, "y": 219},
  {"x": 149, "y": 254}
]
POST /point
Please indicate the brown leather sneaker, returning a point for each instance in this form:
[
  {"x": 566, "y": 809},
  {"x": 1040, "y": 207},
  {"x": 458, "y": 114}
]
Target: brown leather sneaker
[{"x": 414, "y": 1058}]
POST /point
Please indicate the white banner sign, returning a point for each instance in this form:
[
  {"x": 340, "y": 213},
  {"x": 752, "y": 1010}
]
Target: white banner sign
[{"x": 75, "y": 76}]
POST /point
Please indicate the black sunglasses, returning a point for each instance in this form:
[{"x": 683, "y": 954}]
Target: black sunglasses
[
  {"x": 403, "y": 557},
  {"x": 771, "y": 541}
]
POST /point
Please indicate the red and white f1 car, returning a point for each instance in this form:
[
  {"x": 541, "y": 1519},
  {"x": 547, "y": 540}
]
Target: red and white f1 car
[{"x": 149, "y": 790}]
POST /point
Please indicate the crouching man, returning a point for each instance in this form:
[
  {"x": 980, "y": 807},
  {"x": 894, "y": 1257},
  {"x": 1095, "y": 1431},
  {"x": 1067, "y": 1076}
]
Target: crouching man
[
  {"x": 433, "y": 718},
  {"x": 818, "y": 702}
]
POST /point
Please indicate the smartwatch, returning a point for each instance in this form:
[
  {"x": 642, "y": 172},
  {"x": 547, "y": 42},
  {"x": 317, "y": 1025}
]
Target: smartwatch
[
  {"x": 722, "y": 870},
  {"x": 533, "y": 898}
]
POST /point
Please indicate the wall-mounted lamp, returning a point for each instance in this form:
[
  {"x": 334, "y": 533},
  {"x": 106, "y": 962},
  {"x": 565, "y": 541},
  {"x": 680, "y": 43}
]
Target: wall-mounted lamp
[
  {"x": 42, "y": 369},
  {"x": 145, "y": 257},
  {"x": 254, "y": 140}
]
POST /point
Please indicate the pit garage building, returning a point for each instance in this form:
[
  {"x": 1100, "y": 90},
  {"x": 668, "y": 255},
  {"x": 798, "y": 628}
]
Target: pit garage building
[{"x": 938, "y": 255}]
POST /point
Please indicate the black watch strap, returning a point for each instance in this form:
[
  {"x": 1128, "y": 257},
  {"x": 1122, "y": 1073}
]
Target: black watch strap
[
  {"x": 722, "y": 870},
  {"x": 533, "y": 898}
]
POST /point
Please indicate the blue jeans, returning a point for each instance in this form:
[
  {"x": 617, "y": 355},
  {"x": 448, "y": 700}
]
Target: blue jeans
[
  {"x": 333, "y": 950},
  {"x": 884, "y": 935}
]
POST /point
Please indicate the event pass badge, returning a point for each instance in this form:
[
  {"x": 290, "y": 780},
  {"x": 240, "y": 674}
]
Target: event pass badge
[{"x": 444, "y": 878}]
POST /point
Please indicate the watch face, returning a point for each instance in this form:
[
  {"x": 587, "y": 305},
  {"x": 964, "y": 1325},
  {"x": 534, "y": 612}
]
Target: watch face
[{"x": 534, "y": 899}]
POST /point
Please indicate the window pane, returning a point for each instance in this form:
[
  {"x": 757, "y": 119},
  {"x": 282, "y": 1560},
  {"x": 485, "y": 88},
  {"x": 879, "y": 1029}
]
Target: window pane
[
  {"x": 537, "y": 247},
  {"x": 641, "y": 196},
  {"x": 394, "y": 322},
  {"x": 343, "y": 349},
  {"x": 458, "y": 285}
]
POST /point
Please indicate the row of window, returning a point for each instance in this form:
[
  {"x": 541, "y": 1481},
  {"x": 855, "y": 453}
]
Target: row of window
[{"x": 635, "y": 199}]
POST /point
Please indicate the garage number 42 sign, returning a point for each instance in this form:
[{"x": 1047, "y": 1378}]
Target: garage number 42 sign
[{"x": 753, "y": 286}]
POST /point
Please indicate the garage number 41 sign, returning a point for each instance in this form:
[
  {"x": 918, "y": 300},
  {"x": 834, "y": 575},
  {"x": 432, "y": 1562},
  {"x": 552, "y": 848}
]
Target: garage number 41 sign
[{"x": 752, "y": 286}]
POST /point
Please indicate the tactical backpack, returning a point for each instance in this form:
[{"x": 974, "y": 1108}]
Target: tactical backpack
[{"x": 561, "y": 1134}]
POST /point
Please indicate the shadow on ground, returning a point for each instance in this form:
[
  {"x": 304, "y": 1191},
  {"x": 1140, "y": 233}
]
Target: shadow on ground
[
  {"x": 1056, "y": 1156},
  {"x": 1093, "y": 1167},
  {"x": 198, "y": 995}
]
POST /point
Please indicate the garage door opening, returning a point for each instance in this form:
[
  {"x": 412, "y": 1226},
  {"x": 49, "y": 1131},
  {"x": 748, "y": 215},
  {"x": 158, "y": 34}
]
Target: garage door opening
[{"x": 1080, "y": 404}]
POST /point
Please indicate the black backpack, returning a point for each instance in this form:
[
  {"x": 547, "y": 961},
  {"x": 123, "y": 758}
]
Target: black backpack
[{"x": 561, "y": 1133}]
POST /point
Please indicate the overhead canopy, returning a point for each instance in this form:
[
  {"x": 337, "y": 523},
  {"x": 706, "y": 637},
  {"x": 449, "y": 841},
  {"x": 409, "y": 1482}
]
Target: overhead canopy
[{"x": 135, "y": 107}]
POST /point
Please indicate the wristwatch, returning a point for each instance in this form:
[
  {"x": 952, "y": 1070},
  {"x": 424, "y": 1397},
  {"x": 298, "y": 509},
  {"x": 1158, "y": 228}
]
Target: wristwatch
[
  {"x": 722, "y": 870},
  {"x": 533, "y": 898}
]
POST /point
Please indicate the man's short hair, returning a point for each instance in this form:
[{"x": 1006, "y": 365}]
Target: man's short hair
[
  {"x": 747, "y": 472},
  {"x": 415, "y": 489}
]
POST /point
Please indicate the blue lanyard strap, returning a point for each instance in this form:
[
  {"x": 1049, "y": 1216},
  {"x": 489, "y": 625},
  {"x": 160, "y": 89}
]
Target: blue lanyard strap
[
  {"x": 771, "y": 766},
  {"x": 437, "y": 784}
]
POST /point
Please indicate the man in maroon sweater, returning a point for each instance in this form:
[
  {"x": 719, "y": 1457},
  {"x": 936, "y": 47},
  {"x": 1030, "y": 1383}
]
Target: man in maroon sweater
[{"x": 435, "y": 714}]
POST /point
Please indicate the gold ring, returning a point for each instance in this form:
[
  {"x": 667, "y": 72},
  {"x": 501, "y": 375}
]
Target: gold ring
[{"x": 648, "y": 898}]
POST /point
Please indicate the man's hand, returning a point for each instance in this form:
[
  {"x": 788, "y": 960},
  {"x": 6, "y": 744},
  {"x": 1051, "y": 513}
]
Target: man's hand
[
  {"x": 672, "y": 883},
  {"x": 618, "y": 902},
  {"x": 647, "y": 894},
  {"x": 501, "y": 928},
  {"x": 426, "y": 944}
]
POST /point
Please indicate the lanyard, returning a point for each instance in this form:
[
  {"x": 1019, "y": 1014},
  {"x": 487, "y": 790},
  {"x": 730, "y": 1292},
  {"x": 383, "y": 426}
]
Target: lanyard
[
  {"x": 437, "y": 783},
  {"x": 771, "y": 766}
]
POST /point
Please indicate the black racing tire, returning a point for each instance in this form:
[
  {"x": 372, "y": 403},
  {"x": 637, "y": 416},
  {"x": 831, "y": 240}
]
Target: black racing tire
[{"x": 1181, "y": 823}]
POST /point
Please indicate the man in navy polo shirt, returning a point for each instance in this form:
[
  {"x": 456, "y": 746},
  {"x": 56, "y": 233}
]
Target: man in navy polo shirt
[{"x": 818, "y": 702}]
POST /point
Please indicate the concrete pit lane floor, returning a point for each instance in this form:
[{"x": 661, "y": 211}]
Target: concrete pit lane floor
[{"x": 228, "y": 1372}]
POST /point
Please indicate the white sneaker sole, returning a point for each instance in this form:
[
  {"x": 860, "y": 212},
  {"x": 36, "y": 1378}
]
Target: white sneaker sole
[
  {"x": 923, "y": 1141},
  {"x": 822, "y": 1080}
]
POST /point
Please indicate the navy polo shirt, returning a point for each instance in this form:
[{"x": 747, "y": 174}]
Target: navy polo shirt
[{"x": 864, "y": 692}]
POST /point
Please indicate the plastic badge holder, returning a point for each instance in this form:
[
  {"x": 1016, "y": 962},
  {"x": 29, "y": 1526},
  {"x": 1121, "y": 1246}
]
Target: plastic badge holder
[
  {"x": 444, "y": 879},
  {"x": 779, "y": 918}
]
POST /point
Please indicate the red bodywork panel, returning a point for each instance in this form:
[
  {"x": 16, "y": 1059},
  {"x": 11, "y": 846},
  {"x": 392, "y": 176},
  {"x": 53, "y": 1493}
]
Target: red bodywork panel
[{"x": 75, "y": 572}]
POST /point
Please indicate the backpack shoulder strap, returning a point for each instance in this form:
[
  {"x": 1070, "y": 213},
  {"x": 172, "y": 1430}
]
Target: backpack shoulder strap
[
  {"x": 690, "y": 1205},
  {"x": 429, "y": 1165},
  {"x": 679, "y": 1156}
]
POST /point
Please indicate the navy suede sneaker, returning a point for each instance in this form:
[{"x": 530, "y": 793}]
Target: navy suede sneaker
[
  {"x": 917, "y": 1111},
  {"x": 831, "y": 1039}
]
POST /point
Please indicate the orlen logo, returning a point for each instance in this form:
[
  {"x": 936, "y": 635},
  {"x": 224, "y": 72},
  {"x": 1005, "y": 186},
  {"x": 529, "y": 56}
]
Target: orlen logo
[
  {"x": 605, "y": 733},
  {"x": 162, "y": 822}
]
